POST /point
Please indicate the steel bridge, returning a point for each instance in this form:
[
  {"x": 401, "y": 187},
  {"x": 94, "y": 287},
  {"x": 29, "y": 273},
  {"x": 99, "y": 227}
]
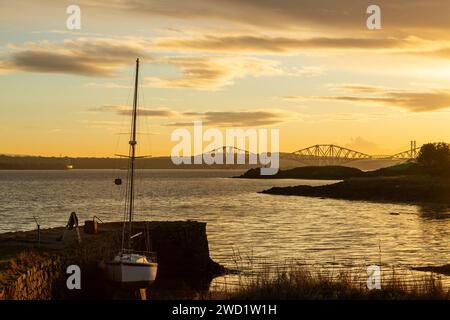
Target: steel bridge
[
  {"x": 325, "y": 154},
  {"x": 333, "y": 154},
  {"x": 230, "y": 151}
]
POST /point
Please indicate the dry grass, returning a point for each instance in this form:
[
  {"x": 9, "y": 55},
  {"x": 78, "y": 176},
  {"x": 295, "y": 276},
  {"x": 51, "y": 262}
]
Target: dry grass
[
  {"x": 20, "y": 264},
  {"x": 299, "y": 282}
]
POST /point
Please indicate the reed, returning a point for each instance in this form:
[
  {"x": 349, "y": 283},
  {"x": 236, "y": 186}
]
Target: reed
[{"x": 299, "y": 282}]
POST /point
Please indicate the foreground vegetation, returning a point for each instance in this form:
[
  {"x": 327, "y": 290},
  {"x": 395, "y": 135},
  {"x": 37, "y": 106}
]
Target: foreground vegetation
[{"x": 299, "y": 282}]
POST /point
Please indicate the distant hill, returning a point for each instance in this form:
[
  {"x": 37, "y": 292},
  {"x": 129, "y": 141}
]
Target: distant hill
[
  {"x": 59, "y": 163},
  {"x": 19, "y": 162}
]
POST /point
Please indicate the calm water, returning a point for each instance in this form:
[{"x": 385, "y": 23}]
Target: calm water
[{"x": 239, "y": 219}]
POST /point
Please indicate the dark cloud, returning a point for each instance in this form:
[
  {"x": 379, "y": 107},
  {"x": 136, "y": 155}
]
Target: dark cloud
[
  {"x": 107, "y": 57},
  {"x": 164, "y": 113},
  {"x": 342, "y": 14},
  {"x": 415, "y": 101},
  {"x": 90, "y": 57},
  {"x": 237, "y": 118},
  {"x": 125, "y": 111}
]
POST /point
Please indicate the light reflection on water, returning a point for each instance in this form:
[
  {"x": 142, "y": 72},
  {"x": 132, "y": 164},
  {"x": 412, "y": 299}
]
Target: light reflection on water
[{"x": 263, "y": 227}]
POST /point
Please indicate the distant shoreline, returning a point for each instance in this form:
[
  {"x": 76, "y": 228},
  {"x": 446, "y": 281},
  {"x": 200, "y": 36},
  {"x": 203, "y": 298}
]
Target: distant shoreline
[
  {"x": 115, "y": 169},
  {"x": 399, "y": 189},
  {"x": 60, "y": 163}
]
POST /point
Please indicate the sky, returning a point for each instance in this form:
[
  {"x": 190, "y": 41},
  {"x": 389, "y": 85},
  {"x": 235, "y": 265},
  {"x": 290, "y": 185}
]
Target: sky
[{"x": 311, "y": 69}]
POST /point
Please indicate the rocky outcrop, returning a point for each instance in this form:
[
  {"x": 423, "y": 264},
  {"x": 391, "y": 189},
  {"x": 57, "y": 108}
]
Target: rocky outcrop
[
  {"x": 404, "y": 189},
  {"x": 308, "y": 172}
]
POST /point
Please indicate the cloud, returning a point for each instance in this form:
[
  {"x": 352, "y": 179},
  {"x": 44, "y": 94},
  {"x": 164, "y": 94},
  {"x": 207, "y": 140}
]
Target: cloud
[
  {"x": 442, "y": 53},
  {"x": 362, "y": 145},
  {"x": 107, "y": 57},
  {"x": 358, "y": 88},
  {"x": 251, "y": 118},
  {"x": 5, "y": 67},
  {"x": 353, "y": 116},
  {"x": 275, "y": 14},
  {"x": 101, "y": 124},
  {"x": 107, "y": 85},
  {"x": 414, "y": 101},
  {"x": 213, "y": 73},
  {"x": 308, "y": 71},
  {"x": 81, "y": 56},
  {"x": 237, "y": 118},
  {"x": 265, "y": 44},
  {"x": 126, "y": 111}
]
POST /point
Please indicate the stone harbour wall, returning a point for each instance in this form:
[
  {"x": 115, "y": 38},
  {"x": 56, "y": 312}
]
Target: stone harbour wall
[{"x": 39, "y": 272}]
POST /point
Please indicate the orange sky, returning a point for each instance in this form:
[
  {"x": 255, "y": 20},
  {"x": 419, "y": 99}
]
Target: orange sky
[{"x": 311, "y": 69}]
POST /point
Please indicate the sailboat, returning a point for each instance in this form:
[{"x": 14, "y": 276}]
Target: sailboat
[{"x": 129, "y": 267}]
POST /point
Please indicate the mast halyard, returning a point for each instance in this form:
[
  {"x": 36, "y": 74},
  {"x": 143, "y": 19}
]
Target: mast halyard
[{"x": 133, "y": 143}]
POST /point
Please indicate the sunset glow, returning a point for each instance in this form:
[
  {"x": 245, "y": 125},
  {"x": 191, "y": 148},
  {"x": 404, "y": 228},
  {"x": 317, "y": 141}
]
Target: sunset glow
[{"x": 315, "y": 72}]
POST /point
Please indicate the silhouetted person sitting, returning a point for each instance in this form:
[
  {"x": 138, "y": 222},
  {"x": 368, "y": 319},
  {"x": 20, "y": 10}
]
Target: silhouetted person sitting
[{"x": 73, "y": 221}]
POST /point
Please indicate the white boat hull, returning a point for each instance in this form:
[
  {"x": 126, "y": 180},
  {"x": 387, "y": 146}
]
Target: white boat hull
[{"x": 130, "y": 273}]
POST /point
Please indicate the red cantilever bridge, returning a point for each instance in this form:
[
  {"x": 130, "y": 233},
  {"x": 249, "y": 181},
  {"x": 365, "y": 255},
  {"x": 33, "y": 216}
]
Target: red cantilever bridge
[{"x": 327, "y": 154}]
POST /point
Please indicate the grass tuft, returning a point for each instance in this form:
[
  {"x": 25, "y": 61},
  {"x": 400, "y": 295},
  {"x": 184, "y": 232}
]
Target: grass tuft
[{"x": 298, "y": 282}]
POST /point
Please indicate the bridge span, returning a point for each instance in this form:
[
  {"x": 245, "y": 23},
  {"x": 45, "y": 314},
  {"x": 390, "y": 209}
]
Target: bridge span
[
  {"x": 327, "y": 154},
  {"x": 333, "y": 154}
]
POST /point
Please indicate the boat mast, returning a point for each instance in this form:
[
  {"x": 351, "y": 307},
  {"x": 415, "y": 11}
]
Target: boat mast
[{"x": 133, "y": 153}]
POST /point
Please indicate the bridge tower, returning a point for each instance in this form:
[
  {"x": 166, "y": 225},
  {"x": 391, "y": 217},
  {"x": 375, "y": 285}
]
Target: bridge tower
[{"x": 413, "y": 149}]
